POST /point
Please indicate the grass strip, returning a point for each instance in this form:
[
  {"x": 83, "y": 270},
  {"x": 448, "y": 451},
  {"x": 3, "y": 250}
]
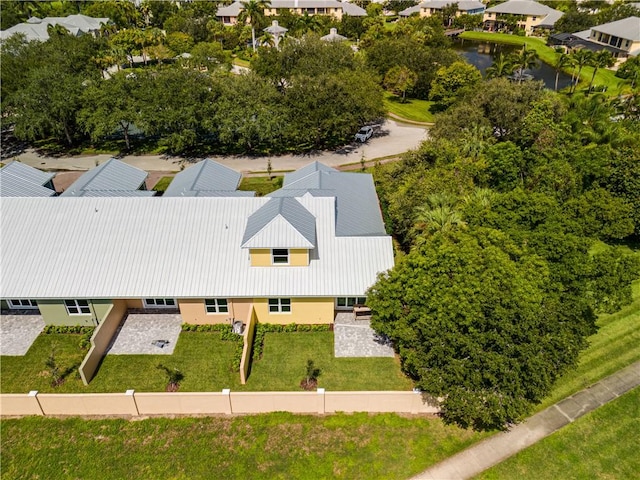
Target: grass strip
[{"x": 413, "y": 109}]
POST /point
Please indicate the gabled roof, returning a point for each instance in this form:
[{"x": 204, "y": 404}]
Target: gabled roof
[
  {"x": 358, "y": 212},
  {"x": 20, "y": 180},
  {"x": 36, "y": 28},
  {"x": 112, "y": 176},
  {"x": 232, "y": 10},
  {"x": 218, "y": 193},
  {"x": 627, "y": 28},
  {"x": 280, "y": 223},
  {"x": 521, "y": 7},
  {"x": 204, "y": 175},
  {"x": 407, "y": 12},
  {"x": 333, "y": 36},
  {"x": 114, "y": 193}
]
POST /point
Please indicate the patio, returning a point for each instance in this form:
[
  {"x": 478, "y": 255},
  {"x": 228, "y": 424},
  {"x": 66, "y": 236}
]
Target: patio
[
  {"x": 356, "y": 338},
  {"x": 18, "y": 332},
  {"x": 146, "y": 334}
]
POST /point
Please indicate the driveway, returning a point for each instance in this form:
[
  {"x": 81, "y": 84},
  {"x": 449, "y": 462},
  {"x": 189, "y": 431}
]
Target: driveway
[{"x": 392, "y": 138}]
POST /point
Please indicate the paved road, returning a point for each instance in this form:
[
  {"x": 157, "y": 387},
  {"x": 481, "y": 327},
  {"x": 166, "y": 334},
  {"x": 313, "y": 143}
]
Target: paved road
[
  {"x": 498, "y": 448},
  {"x": 392, "y": 138}
]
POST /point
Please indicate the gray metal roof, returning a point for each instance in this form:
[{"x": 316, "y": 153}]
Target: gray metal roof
[
  {"x": 358, "y": 210},
  {"x": 54, "y": 248},
  {"x": 20, "y": 180},
  {"x": 627, "y": 28},
  {"x": 36, "y": 28},
  {"x": 280, "y": 223},
  {"x": 218, "y": 193},
  {"x": 463, "y": 5},
  {"x": 111, "y": 176},
  {"x": 407, "y": 12},
  {"x": 114, "y": 193},
  {"x": 333, "y": 36},
  {"x": 521, "y": 7},
  {"x": 204, "y": 175}
]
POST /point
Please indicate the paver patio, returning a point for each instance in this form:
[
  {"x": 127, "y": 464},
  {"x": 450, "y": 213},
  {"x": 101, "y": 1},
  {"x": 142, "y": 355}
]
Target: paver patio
[
  {"x": 356, "y": 338},
  {"x": 139, "y": 332},
  {"x": 18, "y": 332}
]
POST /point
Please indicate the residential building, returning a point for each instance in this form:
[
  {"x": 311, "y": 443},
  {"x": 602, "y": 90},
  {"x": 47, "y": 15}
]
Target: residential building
[
  {"x": 229, "y": 14},
  {"x": 623, "y": 35},
  {"x": 20, "y": 180},
  {"x": 206, "y": 179},
  {"x": 431, "y": 7},
  {"x": 526, "y": 14},
  {"x": 38, "y": 28},
  {"x": 308, "y": 250},
  {"x": 112, "y": 178}
]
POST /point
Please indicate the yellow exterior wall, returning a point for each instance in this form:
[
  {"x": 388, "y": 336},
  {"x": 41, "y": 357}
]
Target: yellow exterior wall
[
  {"x": 261, "y": 257},
  {"x": 303, "y": 310},
  {"x": 193, "y": 311}
]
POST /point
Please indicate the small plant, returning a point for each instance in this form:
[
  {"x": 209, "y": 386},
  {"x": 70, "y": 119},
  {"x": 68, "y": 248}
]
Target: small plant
[
  {"x": 269, "y": 169},
  {"x": 310, "y": 380},
  {"x": 363, "y": 162},
  {"x": 54, "y": 369},
  {"x": 174, "y": 377}
]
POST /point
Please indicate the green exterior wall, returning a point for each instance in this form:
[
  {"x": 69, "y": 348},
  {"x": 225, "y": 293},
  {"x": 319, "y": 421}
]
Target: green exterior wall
[
  {"x": 55, "y": 313},
  {"x": 4, "y": 305}
]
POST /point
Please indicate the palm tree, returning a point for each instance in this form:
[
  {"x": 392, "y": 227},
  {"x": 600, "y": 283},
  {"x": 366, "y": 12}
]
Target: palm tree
[
  {"x": 523, "y": 60},
  {"x": 601, "y": 59},
  {"x": 581, "y": 58},
  {"x": 501, "y": 67},
  {"x": 309, "y": 23},
  {"x": 438, "y": 214},
  {"x": 564, "y": 61},
  {"x": 253, "y": 12}
]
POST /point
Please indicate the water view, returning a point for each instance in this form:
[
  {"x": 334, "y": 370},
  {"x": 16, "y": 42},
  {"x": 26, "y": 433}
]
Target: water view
[{"x": 482, "y": 55}]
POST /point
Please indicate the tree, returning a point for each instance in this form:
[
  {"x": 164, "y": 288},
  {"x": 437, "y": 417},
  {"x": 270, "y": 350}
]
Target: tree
[
  {"x": 613, "y": 272},
  {"x": 400, "y": 80},
  {"x": 601, "y": 59},
  {"x": 564, "y": 61},
  {"x": 524, "y": 60},
  {"x": 580, "y": 59},
  {"x": 179, "y": 42},
  {"x": 253, "y": 12},
  {"x": 475, "y": 323},
  {"x": 453, "y": 81},
  {"x": 630, "y": 70},
  {"x": 210, "y": 56},
  {"x": 501, "y": 67}
]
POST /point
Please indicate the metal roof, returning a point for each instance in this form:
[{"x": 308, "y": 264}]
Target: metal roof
[
  {"x": 55, "y": 248},
  {"x": 407, "y": 12},
  {"x": 218, "y": 193},
  {"x": 115, "y": 193},
  {"x": 333, "y": 36},
  {"x": 36, "y": 28},
  {"x": 20, "y": 180},
  {"x": 627, "y": 28},
  {"x": 521, "y": 7},
  {"x": 358, "y": 210},
  {"x": 204, "y": 175},
  {"x": 463, "y": 5},
  {"x": 280, "y": 223},
  {"x": 111, "y": 176}
]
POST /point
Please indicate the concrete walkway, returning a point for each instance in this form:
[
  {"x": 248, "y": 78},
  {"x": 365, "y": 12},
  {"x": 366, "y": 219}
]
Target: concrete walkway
[
  {"x": 391, "y": 139},
  {"x": 498, "y": 448}
]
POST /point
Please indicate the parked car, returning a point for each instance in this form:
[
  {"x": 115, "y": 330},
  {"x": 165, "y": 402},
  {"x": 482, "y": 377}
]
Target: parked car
[{"x": 364, "y": 134}]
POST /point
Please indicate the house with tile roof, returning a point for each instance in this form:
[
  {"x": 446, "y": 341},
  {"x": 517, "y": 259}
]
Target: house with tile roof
[
  {"x": 228, "y": 15},
  {"x": 527, "y": 14},
  {"x": 299, "y": 255},
  {"x": 431, "y": 7}
]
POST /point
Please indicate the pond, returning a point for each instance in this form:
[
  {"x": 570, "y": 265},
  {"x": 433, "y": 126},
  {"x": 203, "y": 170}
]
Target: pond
[{"x": 482, "y": 54}]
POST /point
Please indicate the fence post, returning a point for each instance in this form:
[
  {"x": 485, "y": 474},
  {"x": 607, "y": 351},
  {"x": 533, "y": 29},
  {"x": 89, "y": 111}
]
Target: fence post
[
  {"x": 134, "y": 410},
  {"x": 227, "y": 392},
  {"x": 34, "y": 394},
  {"x": 321, "y": 408}
]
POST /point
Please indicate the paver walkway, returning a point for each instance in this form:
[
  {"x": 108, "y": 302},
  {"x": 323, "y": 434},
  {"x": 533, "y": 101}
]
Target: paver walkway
[
  {"x": 498, "y": 448},
  {"x": 356, "y": 338},
  {"x": 18, "y": 332}
]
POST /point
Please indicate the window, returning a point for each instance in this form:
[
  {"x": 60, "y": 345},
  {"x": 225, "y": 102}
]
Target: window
[
  {"x": 349, "y": 302},
  {"x": 279, "y": 305},
  {"x": 322, "y": 10},
  {"x": 280, "y": 256},
  {"x": 216, "y": 305},
  {"x": 159, "y": 303},
  {"x": 77, "y": 307},
  {"x": 22, "y": 304}
]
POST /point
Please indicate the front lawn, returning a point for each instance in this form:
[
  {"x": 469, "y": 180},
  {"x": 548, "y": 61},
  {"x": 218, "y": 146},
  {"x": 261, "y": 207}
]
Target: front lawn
[
  {"x": 260, "y": 185},
  {"x": 274, "y": 446},
  {"x": 162, "y": 184},
  {"x": 602, "y": 444},
  {"x": 413, "y": 109},
  {"x": 285, "y": 357}
]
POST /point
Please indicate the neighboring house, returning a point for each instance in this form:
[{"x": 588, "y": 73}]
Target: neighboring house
[
  {"x": 206, "y": 179},
  {"x": 426, "y": 9},
  {"x": 621, "y": 35},
  {"x": 229, "y": 14},
  {"x": 20, "y": 180},
  {"x": 113, "y": 178},
  {"x": 37, "y": 28},
  {"x": 528, "y": 15},
  {"x": 310, "y": 249}
]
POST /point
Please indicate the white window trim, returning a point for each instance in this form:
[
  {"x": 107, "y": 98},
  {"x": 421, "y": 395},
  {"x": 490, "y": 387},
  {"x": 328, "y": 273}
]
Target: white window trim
[
  {"x": 153, "y": 305},
  {"x": 348, "y": 307},
  {"x": 279, "y": 305},
  {"x": 32, "y": 304},
  {"x": 77, "y": 306},
  {"x": 273, "y": 256},
  {"x": 217, "y": 306}
]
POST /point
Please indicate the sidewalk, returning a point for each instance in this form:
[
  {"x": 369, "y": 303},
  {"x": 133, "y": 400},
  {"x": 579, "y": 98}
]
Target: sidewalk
[{"x": 501, "y": 446}]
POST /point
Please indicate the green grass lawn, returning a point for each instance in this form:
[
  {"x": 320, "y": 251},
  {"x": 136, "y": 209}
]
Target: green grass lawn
[
  {"x": 162, "y": 184},
  {"x": 204, "y": 359},
  {"x": 602, "y": 444},
  {"x": 260, "y": 185},
  {"x": 285, "y": 357},
  {"x": 274, "y": 446},
  {"x": 413, "y": 110},
  {"x": 550, "y": 56}
]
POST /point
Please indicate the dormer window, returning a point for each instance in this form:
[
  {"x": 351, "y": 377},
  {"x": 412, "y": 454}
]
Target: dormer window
[{"x": 280, "y": 256}]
